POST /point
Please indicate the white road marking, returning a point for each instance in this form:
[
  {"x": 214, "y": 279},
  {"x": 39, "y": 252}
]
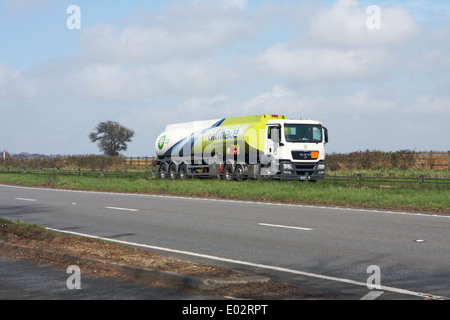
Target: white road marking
[
  {"x": 233, "y": 201},
  {"x": 251, "y": 264},
  {"x": 25, "y": 199},
  {"x": 372, "y": 295},
  {"x": 391, "y": 289},
  {"x": 287, "y": 227},
  {"x": 122, "y": 209}
]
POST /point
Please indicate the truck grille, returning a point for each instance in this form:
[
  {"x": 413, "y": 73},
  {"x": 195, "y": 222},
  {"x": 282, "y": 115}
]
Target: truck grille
[
  {"x": 301, "y": 155},
  {"x": 302, "y": 169}
]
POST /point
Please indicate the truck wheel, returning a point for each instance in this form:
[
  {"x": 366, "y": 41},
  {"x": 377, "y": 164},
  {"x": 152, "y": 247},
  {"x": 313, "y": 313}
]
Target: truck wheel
[
  {"x": 163, "y": 170},
  {"x": 239, "y": 172},
  {"x": 173, "y": 171},
  {"x": 228, "y": 172},
  {"x": 183, "y": 172}
]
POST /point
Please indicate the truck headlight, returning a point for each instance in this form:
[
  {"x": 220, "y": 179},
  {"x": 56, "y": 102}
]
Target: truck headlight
[
  {"x": 321, "y": 166},
  {"x": 287, "y": 166}
]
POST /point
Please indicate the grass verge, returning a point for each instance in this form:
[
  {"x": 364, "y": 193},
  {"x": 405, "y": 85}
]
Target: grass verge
[
  {"x": 19, "y": 240},
  {"x": 425, "y": 199}
]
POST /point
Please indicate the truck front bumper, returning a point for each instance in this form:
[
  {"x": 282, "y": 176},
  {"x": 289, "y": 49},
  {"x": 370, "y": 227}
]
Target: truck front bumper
[{"x": 302, "y": 170}]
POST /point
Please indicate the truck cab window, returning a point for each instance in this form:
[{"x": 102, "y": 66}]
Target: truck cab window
[
  {"x": 303, "y": 133},
  {"x": 274, "y": 130}
]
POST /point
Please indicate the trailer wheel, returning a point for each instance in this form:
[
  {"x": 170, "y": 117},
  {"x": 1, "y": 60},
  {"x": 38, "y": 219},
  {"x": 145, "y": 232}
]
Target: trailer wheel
[
  {"x": 183, "y": 171},
  {"x": 228, "y": 172},
  {"x": 173, "y": 171},
  {"x": 163, "y": 170},
  {"x": 239, "y": 172}
]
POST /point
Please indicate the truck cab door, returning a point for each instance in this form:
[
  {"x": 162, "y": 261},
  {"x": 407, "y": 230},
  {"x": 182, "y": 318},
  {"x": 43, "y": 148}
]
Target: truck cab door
[
  {"x": 273, "y": 139},
  {"x": 271, "y": 155}
]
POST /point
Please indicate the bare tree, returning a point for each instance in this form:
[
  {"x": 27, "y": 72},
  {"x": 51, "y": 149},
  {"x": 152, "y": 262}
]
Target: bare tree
[{"x": 111, "y": 137}]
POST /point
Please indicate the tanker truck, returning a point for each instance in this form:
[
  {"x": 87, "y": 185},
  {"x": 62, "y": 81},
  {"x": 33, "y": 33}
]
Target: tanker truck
[{"x": 250, "y": 147}]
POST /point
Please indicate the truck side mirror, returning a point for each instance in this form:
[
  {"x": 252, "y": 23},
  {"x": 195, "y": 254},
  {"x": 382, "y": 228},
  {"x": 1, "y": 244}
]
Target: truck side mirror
[
  {"x": 275, "y": 136},
  {"x": 325, "y": 130}
]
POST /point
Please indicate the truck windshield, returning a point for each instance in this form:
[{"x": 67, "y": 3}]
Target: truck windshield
[{"x": 303, "y": 132}]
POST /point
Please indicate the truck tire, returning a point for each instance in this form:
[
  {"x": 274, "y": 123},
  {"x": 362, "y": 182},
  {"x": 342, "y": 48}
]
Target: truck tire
[
  {"x": 163, "y": 170},
  {"x": 173, "y": 171},
  {"x": 183, "y": 172},
  {"x": 239, "y": 172},
  {"x": 228, "y": 172}
]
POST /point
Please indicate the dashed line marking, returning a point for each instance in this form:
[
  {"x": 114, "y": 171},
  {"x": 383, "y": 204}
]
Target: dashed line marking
[
  {"x": 122, "y": 209},
  {"x": 232, "y": 201},
  {"x": 286, "y": 227},
  {"x": 372, "y": 295},
  {"x": 25, "y": 199}
]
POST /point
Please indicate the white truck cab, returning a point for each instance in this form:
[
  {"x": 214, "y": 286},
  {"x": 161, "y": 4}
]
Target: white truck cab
[{"x": 297, "y": 147}]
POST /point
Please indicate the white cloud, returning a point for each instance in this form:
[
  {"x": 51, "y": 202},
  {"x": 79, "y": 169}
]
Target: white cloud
[
  {"x": 324, "y": 64},
  {"x": 8, "y": 77},
  {"x": 117, "y": 82},
  {"x": 430, "y": 105},
  {"x": 240, "y": 4},
  {"x": 345, "y": 25},
  {"x": 337, "y": 45},
  {"x": 278, "y": 99},
  {"x": 226, "y": 4},
  {"x": 197, "y": 30},
  {"x": 16, "y": 84}
]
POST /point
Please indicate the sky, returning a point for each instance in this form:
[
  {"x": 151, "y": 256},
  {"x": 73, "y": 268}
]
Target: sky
[{"x": 376, "y": 73}]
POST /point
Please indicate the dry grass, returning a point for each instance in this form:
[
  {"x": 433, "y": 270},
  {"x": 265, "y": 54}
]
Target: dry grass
[
  {"x": 403, "y": 160},
  {"x": 86, "y": 162}
]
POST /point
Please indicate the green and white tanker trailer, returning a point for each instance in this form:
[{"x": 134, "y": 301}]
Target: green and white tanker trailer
[{"x": 266, "y": 146}]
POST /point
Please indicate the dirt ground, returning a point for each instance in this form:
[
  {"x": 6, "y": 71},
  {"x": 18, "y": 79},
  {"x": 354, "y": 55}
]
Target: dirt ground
[{"x": 23, "y": 241}]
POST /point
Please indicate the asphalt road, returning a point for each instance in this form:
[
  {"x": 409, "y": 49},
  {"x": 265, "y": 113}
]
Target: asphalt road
[
  {"x": 25, "y": 280},
  {"x": 326, "y": 248}
]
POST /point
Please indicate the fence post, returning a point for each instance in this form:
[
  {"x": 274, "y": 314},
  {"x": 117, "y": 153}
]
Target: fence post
[
  {"x": 448, "y": 159},
  {"x": 431, "y": 160},
  {"x": 422, "y": 178},
  {"x": 359, "y": 178}
]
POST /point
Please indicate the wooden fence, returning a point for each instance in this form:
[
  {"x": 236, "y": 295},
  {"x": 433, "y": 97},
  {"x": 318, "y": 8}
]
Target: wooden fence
[
  {"x": 356, "y": 160},
  {"x": 434, "y": 160},
  {"x": 145, "y": 163},
  {"x": 356, "y": 179}
]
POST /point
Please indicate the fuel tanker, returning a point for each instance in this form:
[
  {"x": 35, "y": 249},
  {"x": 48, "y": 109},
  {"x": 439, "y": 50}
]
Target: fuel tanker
[{"x": 259, "y": 146}]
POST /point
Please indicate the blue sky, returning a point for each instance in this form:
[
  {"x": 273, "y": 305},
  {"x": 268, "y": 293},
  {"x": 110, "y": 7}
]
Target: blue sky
[{"x": 146, "y": 64}]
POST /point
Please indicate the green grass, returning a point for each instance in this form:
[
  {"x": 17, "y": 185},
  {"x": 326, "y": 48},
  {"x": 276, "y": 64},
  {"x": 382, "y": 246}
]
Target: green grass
[
  {"x": 427, "y": 199},
  {"x": 393, "y": 173}
]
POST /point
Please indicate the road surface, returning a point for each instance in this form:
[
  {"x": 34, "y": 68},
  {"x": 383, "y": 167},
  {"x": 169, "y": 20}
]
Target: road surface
[{"x": 399, "y": 254}]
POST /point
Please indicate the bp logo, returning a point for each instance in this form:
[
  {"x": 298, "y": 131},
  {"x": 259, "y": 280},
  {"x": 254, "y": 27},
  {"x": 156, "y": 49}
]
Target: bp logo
[{"x": 161, "y": 142}]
